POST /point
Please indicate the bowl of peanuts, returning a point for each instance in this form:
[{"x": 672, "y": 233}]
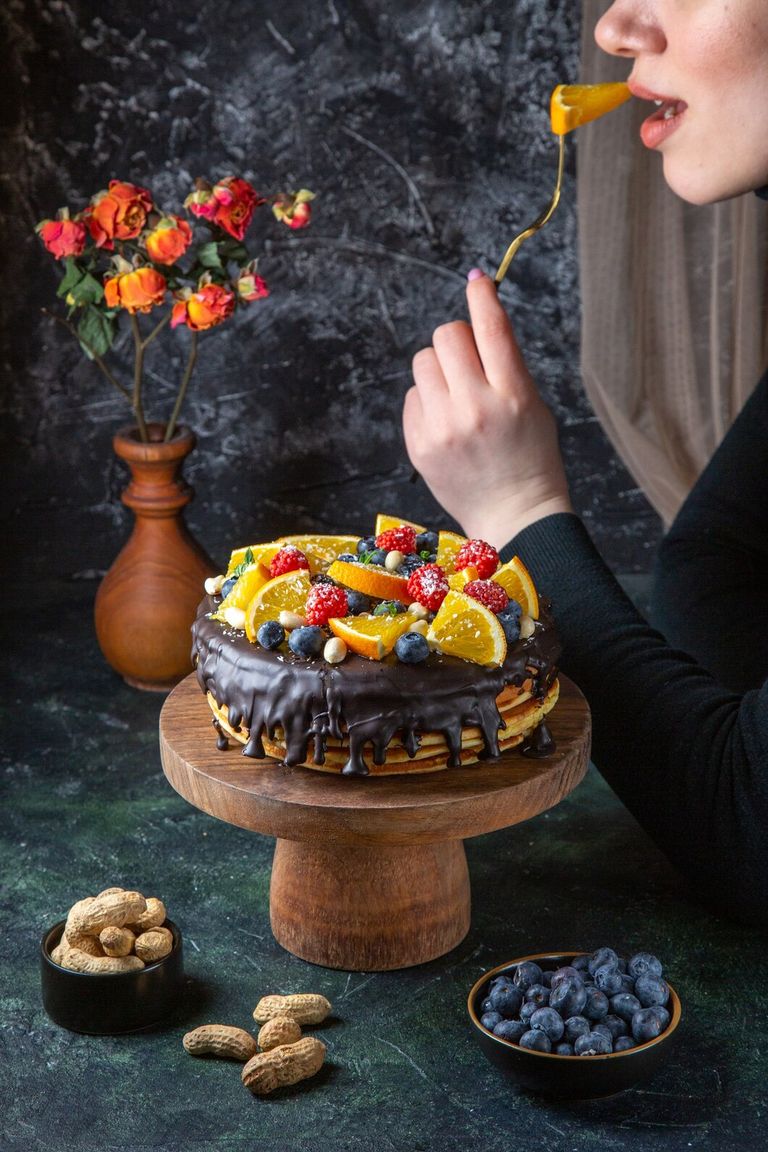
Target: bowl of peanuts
[{"x": 115, "y": 964}]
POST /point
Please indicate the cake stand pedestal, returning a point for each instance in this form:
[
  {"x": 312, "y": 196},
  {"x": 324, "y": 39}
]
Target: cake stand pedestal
[{"x": 370, "y": 873}]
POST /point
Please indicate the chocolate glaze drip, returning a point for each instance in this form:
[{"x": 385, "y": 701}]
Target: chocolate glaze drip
[
  {"x": 366, "y": 701},
  {"x": 539, "y": 744},
  {"x": 222, "y": 740}
]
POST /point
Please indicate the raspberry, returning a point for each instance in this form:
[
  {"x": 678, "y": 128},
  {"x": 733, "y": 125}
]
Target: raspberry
[
  {"x": 491, "y": 595},
  {"x": 483, "y": 556},
  {"x": 288, "y": 559},
  {"x": 402, "y": 539},
  {"x": 429, "y": 586},
  {"x": 325, "y": 601}
]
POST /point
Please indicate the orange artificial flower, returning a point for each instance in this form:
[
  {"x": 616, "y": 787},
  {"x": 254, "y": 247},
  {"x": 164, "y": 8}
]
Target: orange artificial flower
[
  {"x": 137, "y": 291},
  {"x": 169, "y": 240},
  {"x": 63, "y": 237},
  {"x": 250, "y": 286},
  {"x": 119, "y": 214},
  {"x": 209, "y": 306},
  {"x": 294, "y": 209}
]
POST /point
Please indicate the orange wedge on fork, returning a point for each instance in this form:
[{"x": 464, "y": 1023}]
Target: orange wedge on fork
[{"x": 575, "y": 104}]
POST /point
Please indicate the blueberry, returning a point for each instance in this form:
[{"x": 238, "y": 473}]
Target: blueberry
[
  {"x": 389, "y": 608},
  {"x": 546, "y": 979},
  {"x": 564, "y": 1049},
  {"x": 627, "y": 982},
  {"x": 621, "y": 964},
  {"x": 489, "y": 1020},
  {"x": 506, "y": 999},
  {"x": 601, "y": 958},
  {"x": 580, "y": 963},
  {"x": 410, "y": 564},
  {"x": 227, "y": 586},
  {"x": 549, "y": 1022},
  {"x": 347, "y": 557},
  {"x": 592, "y": 1044},
  {"x": 499, "y": 980},
  {"x": 426, "y": 541},
  {"x": 270, "y": 635},
  {"x": 510, "y": 626},
  {"x": 538, "y": 994},
  {"x": 527, "y": 1011},
  {"x": 567, "y": 973},
  {"x": 623, "y": 1044},
  {"x": 321, "y": 578},
  {"x": 535, "y": 1041},
  {"x": 644, "y": 964},
  {"x": 603, "y": 1030},
  {"x": 624, "y": 1004},
  {"x": 378, "y": 556},
  {"x": 526, "y": 974},
  {"x": 651, "y": 990},
  {"x": 576, "y": 1026},
  {"x": 307, "y": 641},
  {"x": 649, "y": 1023},
  {"x": 411, "y": 648},
  {"x": 596, "y": 1005},
  {"x": 513, "y": 609},
  {"x": 615, "y": 1025},
  {"x": 367, "y": 544},
  {"x": 357, "y": 603},
  {"x": 608, "y": 980},
  {"x": 510, "y": 1030},
  {"x": 568, "y": 997},
  {"x": 486, "y": 1005}
]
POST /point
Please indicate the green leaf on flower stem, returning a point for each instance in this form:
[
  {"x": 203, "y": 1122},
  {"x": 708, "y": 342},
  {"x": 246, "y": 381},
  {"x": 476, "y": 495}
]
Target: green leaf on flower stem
[
  {"x": 234, "y": 250},
  {"x": 73, "y": 274},
  {"x": 208, "y": 255},
  {"x": 87, "y": 291},
  {"x": 96, "y": 330}
]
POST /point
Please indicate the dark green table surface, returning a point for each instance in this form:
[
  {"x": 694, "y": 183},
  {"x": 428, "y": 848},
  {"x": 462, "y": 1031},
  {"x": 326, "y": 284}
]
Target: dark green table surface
[{"x": 85, "y": 806}]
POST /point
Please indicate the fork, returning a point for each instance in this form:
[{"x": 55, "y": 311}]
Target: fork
[{"x": 539, "y": 222}]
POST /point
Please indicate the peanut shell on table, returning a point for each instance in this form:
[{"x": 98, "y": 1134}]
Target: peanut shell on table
[
  {"x": 221, "y": 1040},
  {"x": 304, "y": 1008},
  {"x": 279, "y": 1030},
  {"x": 283, "y": 1066}
]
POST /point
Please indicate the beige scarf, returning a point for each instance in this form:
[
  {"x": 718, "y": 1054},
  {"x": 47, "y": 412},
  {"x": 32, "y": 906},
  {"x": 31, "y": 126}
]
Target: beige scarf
[{"x": 674, "y": 332}]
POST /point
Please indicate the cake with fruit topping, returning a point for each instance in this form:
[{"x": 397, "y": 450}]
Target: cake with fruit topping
[{"x": 406, "y": 651}]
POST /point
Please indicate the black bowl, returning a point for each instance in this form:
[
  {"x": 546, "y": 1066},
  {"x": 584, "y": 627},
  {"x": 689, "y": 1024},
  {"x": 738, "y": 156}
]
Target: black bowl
[
  {"x": 574, "y": 1077},
  {"x": 110, "y": 1003}
]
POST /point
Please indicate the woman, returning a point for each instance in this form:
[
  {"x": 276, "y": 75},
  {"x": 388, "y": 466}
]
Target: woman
[{"x": 680, "y": 715}]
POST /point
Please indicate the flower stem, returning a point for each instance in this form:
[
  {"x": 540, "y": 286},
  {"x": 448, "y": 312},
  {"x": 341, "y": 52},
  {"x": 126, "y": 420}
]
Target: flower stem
[
  {"x": 138, "y": 372},
  {"x": 183, "y": 389},
  {"x": 156, "y": 331},
  {"x": 96, "y": 358}
]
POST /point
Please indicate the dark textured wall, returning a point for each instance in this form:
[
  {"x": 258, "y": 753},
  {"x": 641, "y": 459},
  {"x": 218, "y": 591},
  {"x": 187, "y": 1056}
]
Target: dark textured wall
[{"x": 423, "y": 128}]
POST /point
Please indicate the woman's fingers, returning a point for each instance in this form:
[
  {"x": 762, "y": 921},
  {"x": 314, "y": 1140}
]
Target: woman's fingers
[
  {"x": 456, "y": 352},
  {"x": 497, "y": 347}
]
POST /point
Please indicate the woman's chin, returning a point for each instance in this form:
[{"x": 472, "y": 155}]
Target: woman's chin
[{"x": 703, "y": 186}]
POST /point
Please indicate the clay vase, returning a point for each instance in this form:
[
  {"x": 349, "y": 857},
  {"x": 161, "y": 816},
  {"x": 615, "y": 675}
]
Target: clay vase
[{"x": 147, "y": 601}]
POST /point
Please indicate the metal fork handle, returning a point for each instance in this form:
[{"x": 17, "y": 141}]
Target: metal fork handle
[{"x": 539, "y": 222}]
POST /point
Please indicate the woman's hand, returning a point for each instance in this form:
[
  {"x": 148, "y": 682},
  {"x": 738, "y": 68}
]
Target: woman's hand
[{"x": 477, "y": 429}]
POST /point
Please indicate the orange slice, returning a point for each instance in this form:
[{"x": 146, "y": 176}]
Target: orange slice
[
  {"x": 458, "y": 580},
  {"x": 516, "y": 581},
  {"x": 244, "y": 590},
  {"x": 322, "y": 550},
  {"x": 260, "y": 554},
  {"x": 448, "y": 545},
  {"x": 465, "y": 628},
  {"x": 575, "y": 104},
  {"x": 384, "y": 523},
  {"x": 288, "y": 591},
  {"x": 370, "y": 579},
  {"x": 371, "y": 636}
]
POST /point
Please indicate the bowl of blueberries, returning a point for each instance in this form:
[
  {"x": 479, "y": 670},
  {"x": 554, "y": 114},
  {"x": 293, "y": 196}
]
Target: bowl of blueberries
[{"x": 576, "y": 1024}]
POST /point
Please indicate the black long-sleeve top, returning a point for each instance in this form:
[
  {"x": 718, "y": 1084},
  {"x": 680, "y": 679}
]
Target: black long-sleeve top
[{"x": 680, "y": 714}]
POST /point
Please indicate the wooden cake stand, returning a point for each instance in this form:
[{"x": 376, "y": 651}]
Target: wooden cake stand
[{"x": 369, "y": 873}]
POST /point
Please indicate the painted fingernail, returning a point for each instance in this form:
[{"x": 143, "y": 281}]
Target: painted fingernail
[{"x": 475, "y": 274}]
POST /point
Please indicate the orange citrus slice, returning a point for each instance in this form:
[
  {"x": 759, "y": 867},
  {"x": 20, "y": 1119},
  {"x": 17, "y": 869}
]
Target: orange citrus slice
[
  {"x": 465, "y": 628},
  {"x": 448, "y": 545},
  {"x": 575, "y": 104},
  {"x": 288, "y": 592},
  {"x": 370, "y": 579},
  {"x": 244, "y": 590},
  {"x": 516, "y": 581},
  {"x": 384, "y": 523},
  {"x": 322, "y": 550},
  {"x": 260, "y": 554},
  {"x": 458, "y": 580},
  {"x": 371, "y": 636}
]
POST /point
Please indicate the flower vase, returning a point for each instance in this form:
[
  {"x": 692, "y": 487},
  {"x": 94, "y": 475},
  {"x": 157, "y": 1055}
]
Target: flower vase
[{"x": 147, "y": 601}]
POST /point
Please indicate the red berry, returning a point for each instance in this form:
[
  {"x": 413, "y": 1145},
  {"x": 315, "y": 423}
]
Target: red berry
[
  {"x": 402, "y": 539},
  {"x": 492, "y": 595},
  {"x": 325, "y": 601},
  {"x": 288, "y": 559},
  {"x": 429, "y": 586},
  {"x": 482, "y": 556}
]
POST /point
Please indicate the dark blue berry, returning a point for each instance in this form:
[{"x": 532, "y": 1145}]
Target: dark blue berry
[
  {"x": 624, "y": 1004},
  {"x": 307, "y": 641},
  {"x": 489, "y": 1020},
  {"x": 410, "y": 563},
  {"x": 564, "y": 1049},
  {"x": 367, "y": 544},
  {"x": 411, "y": 648},
  {"x": 377, "y": 556},
  {"x": 649, "y": 1023},
  {"x": 516, "y": 610},
  {"x": 506, "y": 999},
  {"x": 510, "y": 626},
  {"x": 270, "y": 635},
  {"x": 596, "y": 1005},
  {"x": 538, "y": 994},
  {"x": 546, "y": 979},
  {"x": 608, "y": 980},
  {"x": 615, "y": 1025},
  {"x": 644, "y": 964},
  {"x": 510, "y": 1030},
  {"x": 623, "y": 1044},
  {"x": 549, "y": 1022},
  {"x": 227, "y": 586},
  {"x": 651, "y": 990},
  {"x": 592, "y": 1044},
  {"x": 357, "y": 603},
  {"x": 536, "y": 1041},
  {"x": 486, "y": 1005},
  {"x": 526, "y": 974},
  {"x": 389, "y": 608},
  {"x": 568, "y": 997},
  {"x": 603, "y": 1030},
  {"x": 426, "y": 541},
  {"x": 347, "y": 557},
  {"x": 602, "y": 958},
  {"x": 627, "y": 982},
  {"x": 580, "y": 963},
  {"x": 576, "y": 1026},
  {"x": 621, "y": 964},
  {"x": 499, "y": 980},
  {"x": 527, "y": 1011},
  {"x": 567, "y": 973},
  {"x": 321, "y": 578}
]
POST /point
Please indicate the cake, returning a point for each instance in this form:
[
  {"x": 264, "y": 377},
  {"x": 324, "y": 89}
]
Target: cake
[{"x": 408, "y": 651}]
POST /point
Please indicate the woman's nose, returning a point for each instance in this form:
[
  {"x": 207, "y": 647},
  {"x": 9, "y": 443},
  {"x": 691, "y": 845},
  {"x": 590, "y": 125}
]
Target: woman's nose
[{"x": 630, "y": 28}]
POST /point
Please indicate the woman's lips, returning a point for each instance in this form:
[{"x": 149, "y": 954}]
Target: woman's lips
[{"x": 664, "y": 121}]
